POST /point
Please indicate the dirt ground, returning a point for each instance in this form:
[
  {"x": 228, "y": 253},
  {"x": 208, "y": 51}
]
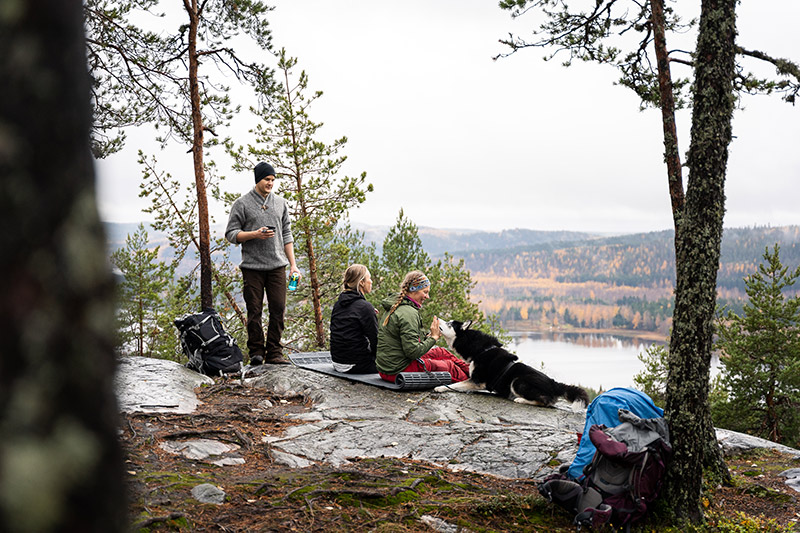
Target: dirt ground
[{"x": 382, "y": 495}]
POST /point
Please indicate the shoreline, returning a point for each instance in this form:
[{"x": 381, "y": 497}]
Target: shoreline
[{"x": 527, "y": 327}]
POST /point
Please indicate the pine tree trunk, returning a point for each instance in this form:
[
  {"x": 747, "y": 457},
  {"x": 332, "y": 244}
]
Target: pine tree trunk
[
  {"x": 206, "y": 295},
  {"x": 58, "y": 412},
  {"x": 712, "y": 457},
  {"x": 698, "y": 234},
  {"x": 671, "y": 154},
  {"x": 140, "y": 340},
  {"x": 316, "y": 300}
]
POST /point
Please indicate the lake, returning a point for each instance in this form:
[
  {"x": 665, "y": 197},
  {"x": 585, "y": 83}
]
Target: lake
[{"x": 588, "y": 359}]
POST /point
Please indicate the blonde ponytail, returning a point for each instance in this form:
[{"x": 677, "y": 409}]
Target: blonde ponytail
[
  {"x": 353, "y": 277},
  {"x": 412, "y": 278}
]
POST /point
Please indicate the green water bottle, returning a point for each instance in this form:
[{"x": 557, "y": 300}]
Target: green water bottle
[{"x": 293, "y": 281}]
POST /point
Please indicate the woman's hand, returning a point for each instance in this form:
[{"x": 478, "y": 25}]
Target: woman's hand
[{"x": 435, "y": 331}]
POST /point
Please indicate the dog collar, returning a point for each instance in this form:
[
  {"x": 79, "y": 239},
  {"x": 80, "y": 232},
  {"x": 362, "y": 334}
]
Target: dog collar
[{"x": 492, "y": 347}]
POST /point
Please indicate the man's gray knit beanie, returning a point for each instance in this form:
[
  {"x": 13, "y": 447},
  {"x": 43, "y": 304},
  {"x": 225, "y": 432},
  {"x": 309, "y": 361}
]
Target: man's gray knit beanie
[{"x": 262, "y": 170}]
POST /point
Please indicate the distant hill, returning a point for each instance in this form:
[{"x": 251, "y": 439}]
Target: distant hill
[
  {"x": 437, "y": 241},
  {"x": 642, "y": 260},
  {"x": 117, "y": 232},
  {"x": 623, "y": 282}
]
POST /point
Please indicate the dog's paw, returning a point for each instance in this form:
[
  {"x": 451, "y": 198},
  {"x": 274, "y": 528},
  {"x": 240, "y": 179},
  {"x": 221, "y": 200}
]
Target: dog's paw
[
  {"x": 529, "y": 402},
  {"x": 441, "y": 388}
]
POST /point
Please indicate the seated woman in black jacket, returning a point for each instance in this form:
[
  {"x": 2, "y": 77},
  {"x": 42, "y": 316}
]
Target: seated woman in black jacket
[{"x": 354, "y": 325}]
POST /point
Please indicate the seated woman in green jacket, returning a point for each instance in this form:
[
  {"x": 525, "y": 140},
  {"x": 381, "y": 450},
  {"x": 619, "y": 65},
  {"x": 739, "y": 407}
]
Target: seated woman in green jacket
[{"x": 403, "y": 345}]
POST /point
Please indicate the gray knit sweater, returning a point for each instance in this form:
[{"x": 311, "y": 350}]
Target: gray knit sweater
[{"x": 251, "y": 212}]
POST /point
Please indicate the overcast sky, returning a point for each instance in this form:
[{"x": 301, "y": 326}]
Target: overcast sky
[{"x": 461, "y": 141}]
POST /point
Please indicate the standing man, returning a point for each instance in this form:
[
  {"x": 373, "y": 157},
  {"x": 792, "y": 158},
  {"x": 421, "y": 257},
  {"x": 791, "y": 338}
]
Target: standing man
[{"x": 259, "y": 220}]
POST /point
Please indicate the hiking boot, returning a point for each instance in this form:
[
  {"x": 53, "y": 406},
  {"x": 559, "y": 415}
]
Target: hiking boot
[
  {"x": 256, "y": 360},
  {"x": 276, "y": 360}
]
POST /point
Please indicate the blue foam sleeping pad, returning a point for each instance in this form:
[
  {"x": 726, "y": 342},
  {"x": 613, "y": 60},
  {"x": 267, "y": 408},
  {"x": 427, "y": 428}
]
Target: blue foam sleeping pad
[{"x": 604, "y": 410}]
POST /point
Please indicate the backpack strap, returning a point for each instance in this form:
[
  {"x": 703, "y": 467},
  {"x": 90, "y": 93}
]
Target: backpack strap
[
  {"x": 197, "y": 327},
  {"x": 562, "y": 492},
  {"x": 594, "y": 517},
  {"x": 590, "y": 498},
  {"x": 636, "y": 475}
]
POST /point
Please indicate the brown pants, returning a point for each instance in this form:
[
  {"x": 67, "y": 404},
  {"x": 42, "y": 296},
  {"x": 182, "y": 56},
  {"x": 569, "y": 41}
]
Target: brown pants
[{"x": 256, "y": 284}]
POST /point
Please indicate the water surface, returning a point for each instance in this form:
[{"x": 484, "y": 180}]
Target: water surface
[{"x": 588, "y": 359}]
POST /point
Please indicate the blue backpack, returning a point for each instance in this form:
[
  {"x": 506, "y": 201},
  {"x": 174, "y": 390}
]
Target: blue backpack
[{"x": 604, "y": 411}]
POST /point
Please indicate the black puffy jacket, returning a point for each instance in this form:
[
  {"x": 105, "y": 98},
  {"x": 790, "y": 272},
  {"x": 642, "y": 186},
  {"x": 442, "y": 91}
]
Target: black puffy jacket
[{"x": 354, "y": 329}]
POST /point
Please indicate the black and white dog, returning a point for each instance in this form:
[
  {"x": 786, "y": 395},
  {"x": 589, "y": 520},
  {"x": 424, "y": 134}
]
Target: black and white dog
[{"x": 493, "y": 368}]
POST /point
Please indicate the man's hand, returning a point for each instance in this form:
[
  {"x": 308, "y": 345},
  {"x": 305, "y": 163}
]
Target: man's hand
[{"x": 264, "y": 232}]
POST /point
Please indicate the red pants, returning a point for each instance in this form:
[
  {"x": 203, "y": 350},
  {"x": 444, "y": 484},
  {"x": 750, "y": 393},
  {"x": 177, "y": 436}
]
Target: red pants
[{"x": 437, "y": 360}]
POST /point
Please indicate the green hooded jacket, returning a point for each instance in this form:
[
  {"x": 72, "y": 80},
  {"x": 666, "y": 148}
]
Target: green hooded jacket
[{"x": 403, "y": 339}]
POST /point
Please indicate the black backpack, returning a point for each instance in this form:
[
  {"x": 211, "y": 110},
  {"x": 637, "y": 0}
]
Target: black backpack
[
  {"x": 210, "y": 350},
  {"x": 623, "y": 478}
]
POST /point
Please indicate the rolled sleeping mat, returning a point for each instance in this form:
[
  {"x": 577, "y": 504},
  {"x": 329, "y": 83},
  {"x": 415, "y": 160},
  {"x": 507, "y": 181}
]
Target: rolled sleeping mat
[{"x": 422, "y": 380}]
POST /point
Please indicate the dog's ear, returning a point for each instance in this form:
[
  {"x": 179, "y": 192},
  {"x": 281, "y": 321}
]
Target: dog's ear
[{"x": 466, "y": 324}]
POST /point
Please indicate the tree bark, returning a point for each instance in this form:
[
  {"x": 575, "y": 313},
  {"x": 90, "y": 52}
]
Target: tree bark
[
  {"x": 698, "y": 234},
  {"x": 712, "y": 457},
  {"x": 316, "y": 301},
  {"x": 671, "y": 155},
  {"x": 61, "y": 463},
  {"x": 206, "y": 294}
]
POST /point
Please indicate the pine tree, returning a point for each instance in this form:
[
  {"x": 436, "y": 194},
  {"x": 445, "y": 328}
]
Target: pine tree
[
  {"x": 142, "y": 296},
  {"x": 337, "y": 251},
  {"x": 761, "y": 356},
  {"x": 166, "y": 75},
  {"x": 174, "y": 207},
  {"x": 401, "y": 252},
  {"x": 595, "y": 34},
  {"x": 451, "y": 286},
  {"x": 451, "y": 282},
  {"x": 653, "y": 379},
  {"x": 318, "y": 198}
]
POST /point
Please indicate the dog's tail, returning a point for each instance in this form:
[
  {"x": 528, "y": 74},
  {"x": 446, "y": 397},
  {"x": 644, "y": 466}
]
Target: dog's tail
[{"x": 573, "y": 394}]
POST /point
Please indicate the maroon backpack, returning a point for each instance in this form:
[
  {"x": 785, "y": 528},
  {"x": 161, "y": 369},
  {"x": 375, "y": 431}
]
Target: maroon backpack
[{"x": 623, "y": 478}]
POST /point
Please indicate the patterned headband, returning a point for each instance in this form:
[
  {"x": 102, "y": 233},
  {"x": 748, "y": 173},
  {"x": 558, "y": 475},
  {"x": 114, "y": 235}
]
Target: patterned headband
[{"x": 421, "y": 284}]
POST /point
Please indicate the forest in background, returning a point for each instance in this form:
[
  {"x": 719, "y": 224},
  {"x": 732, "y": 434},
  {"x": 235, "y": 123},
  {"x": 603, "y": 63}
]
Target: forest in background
[
  {"x": 623, "y": 282},
  {"x": 538, "y": 280}
]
